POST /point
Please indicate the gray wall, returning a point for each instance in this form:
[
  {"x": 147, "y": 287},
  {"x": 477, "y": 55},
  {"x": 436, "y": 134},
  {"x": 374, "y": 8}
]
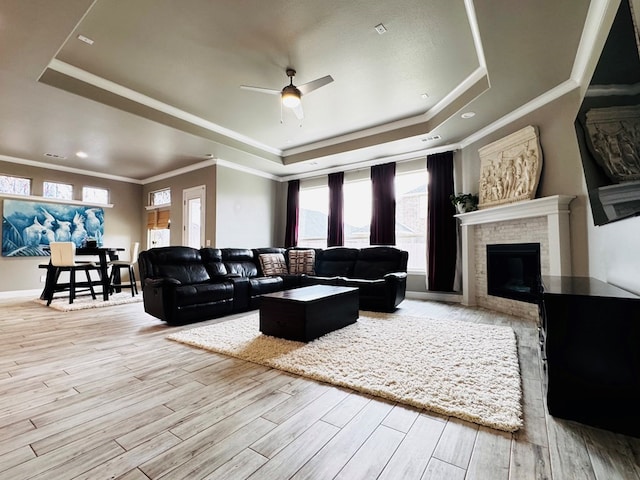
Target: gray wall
[
  {"x": 122, "y": 222},
  {"x": 247, "y": 210}
]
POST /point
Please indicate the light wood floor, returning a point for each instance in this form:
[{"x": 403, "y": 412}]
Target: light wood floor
[{"x": 101, "y": 394}]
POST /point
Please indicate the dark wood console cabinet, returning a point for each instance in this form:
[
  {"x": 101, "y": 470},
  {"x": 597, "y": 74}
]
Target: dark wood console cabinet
[{"x": 590, "y": 344}]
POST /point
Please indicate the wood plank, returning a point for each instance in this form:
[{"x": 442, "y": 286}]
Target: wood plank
[
  {"x": 490, "y": 457},
  {"x": 239, "y": 467},
  {"x": 295, "y": 425},
  {"x": 529, "y": 460},
  {"x": 412, "y": 456},
  {"x": 439, "y": 470},
  {"x": 372, "y": 457},
  {"x": 456, "y": 443},
  {"x": 292, "y": 457},
  {"x": 336, "y": 453}
]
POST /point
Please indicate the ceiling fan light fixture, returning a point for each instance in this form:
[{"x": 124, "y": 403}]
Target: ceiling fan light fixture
[{"x": 291, "y": 96}]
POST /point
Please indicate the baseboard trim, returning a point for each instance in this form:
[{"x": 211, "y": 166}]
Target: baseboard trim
[{"x": 435, "y": 296}]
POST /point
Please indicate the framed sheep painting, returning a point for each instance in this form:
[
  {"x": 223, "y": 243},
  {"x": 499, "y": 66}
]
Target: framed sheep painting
[{"x": 28, "y": 227}]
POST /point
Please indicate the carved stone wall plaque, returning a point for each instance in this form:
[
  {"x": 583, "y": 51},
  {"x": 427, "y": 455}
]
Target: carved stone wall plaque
[
  {"x": 613, "y": 135},
  {"x": 510, "y": 168}
]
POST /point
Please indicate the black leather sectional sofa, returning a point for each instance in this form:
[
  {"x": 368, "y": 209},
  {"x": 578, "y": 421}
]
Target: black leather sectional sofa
[{"x": 183, "y": 285}]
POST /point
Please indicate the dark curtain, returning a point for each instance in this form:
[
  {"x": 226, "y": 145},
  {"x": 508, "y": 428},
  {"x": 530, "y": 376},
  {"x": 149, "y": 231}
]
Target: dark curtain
[
  {"x": 441, "y": 230},
  {"x": 383, "y": 205},
  {"x": 293, "y": 196},
  {"x": 335, "y": 227}
]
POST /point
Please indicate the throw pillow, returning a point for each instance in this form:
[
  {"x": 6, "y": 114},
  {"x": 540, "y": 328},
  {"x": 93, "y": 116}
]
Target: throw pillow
[
  {"x": 302, "y": 261},
  {"x": 273, "y": 264}
]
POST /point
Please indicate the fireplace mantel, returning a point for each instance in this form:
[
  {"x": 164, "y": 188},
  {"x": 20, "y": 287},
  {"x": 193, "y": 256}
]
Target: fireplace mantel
[
  {"x": 556, "y": 211},
  {"x": 539, "y": 207}
]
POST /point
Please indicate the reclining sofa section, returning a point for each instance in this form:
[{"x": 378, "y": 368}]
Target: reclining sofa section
[{"x": 184, "y": 285}]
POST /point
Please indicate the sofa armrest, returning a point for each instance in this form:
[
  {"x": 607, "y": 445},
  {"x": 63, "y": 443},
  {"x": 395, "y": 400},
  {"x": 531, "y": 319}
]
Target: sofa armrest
[
  {"x": 161, "y": 282},
  {"x": 395, "y": 276}
]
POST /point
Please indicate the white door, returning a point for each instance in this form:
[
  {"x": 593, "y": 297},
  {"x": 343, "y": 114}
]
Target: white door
[{"x": 193, "y": 216}]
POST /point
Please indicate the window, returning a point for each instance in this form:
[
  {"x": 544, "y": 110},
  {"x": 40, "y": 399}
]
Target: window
[
  {"x": 357, "y": 213},
  {"x": 15, "y": 185},
  {"x": 158, "y": 219},
  {"x": 313, "y": 217},
  {"x": 95, "y": 195},
  {"x": 62, "y": 191},
  {"x": 411, "y": 217},
  {"x": 160, "y": 197}
]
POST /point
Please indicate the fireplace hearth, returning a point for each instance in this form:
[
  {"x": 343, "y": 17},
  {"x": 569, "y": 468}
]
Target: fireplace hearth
[{"x": 514, "y": 271}]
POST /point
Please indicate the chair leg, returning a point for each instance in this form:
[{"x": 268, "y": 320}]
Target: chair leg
[
  {"x": 133, "y": 280},
  {"x": 53, "y": 288},
  {"x": 72, "y": 285},
  {"x": 93, "y": 293}
]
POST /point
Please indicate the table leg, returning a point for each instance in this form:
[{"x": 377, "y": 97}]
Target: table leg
[
  {"x": 104, "y": 275},
  {"x": 49, "y": 283}
]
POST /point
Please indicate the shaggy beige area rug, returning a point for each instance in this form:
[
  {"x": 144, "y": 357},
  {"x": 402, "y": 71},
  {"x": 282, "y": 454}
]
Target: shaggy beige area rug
[
  {"x": 466, "y": 370},
  {"x": 84, "y": 302}
]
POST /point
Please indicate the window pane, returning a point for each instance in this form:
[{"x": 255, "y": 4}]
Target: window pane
[
  {"x": 95, "y": 195},
  {"x": 313, "y": 218},
  {"x": 411, "y": 217},
  {"x": 62, "y": 191},
  {"x": 357, "y": 213},
  {"x": 15, "y": 185},
  {"x": 161, "y": 197}
]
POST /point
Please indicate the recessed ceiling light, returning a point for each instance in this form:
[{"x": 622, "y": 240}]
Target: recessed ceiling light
[
  {"x": 86, "y": 40},
  {"x": 55, "y": 155},
  {"x": 81, "y": 155},
  {"x": 380, "y": 28},
  {"x": 468, "y": 114}
]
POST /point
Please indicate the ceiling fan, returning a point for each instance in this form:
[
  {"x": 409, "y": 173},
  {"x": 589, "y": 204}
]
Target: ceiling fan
[{"x": 291, "y": 94}]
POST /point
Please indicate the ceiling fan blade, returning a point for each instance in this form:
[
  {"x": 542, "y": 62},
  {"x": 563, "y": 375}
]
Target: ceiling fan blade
[
  {"x": 298, "y": 111},
  {"x": 270, "y": 91},
  {"x": 315, "y": 84}
]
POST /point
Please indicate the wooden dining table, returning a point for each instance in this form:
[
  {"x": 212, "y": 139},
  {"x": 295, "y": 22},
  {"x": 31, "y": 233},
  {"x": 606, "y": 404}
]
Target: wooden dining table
[{"x": 104, "y": 254}]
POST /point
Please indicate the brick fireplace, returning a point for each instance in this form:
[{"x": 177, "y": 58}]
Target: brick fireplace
[{"x": 542, "y": 220}]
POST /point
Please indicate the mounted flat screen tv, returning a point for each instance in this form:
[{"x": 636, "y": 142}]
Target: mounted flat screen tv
[{"x": 608, "y": 124}]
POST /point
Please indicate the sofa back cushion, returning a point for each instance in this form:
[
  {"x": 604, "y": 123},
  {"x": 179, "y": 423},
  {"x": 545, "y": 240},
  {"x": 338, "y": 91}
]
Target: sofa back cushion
[
  {"x": 336, "y": 261},
  {"x": 212, "y": 260},
  {"x": 376, "y": 262},
  {"x": 240, "y": 261},
  {"x": 180, "y": 263}
]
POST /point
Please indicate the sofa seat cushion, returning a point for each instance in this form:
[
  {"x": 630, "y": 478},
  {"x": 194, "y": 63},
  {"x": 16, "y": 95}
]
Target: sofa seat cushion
[
  {"x": 367, "y": 288},
  {"x": 308, "y": 280},
  {"x": 262, "y": 285},
  {"x": 202, "y": 293}
]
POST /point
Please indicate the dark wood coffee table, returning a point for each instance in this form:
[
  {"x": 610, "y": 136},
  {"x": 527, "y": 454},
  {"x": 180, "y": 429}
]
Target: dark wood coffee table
[{"x": 306, "y": 313}]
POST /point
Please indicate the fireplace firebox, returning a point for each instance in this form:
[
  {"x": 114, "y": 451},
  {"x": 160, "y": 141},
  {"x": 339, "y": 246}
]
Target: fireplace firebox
[{"x": 513, "y": 271}]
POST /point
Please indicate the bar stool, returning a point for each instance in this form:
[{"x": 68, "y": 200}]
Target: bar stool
[{"x": 129, "y": 265}]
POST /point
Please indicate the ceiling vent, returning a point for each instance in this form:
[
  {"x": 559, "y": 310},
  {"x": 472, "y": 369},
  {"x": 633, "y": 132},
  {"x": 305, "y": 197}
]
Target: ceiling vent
[{"x": 53, "y": 155}]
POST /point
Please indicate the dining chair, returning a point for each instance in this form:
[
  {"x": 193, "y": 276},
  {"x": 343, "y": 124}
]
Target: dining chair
[
  {"x": 63, "y": 260},
  {"x": 129, "y": 265}
]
